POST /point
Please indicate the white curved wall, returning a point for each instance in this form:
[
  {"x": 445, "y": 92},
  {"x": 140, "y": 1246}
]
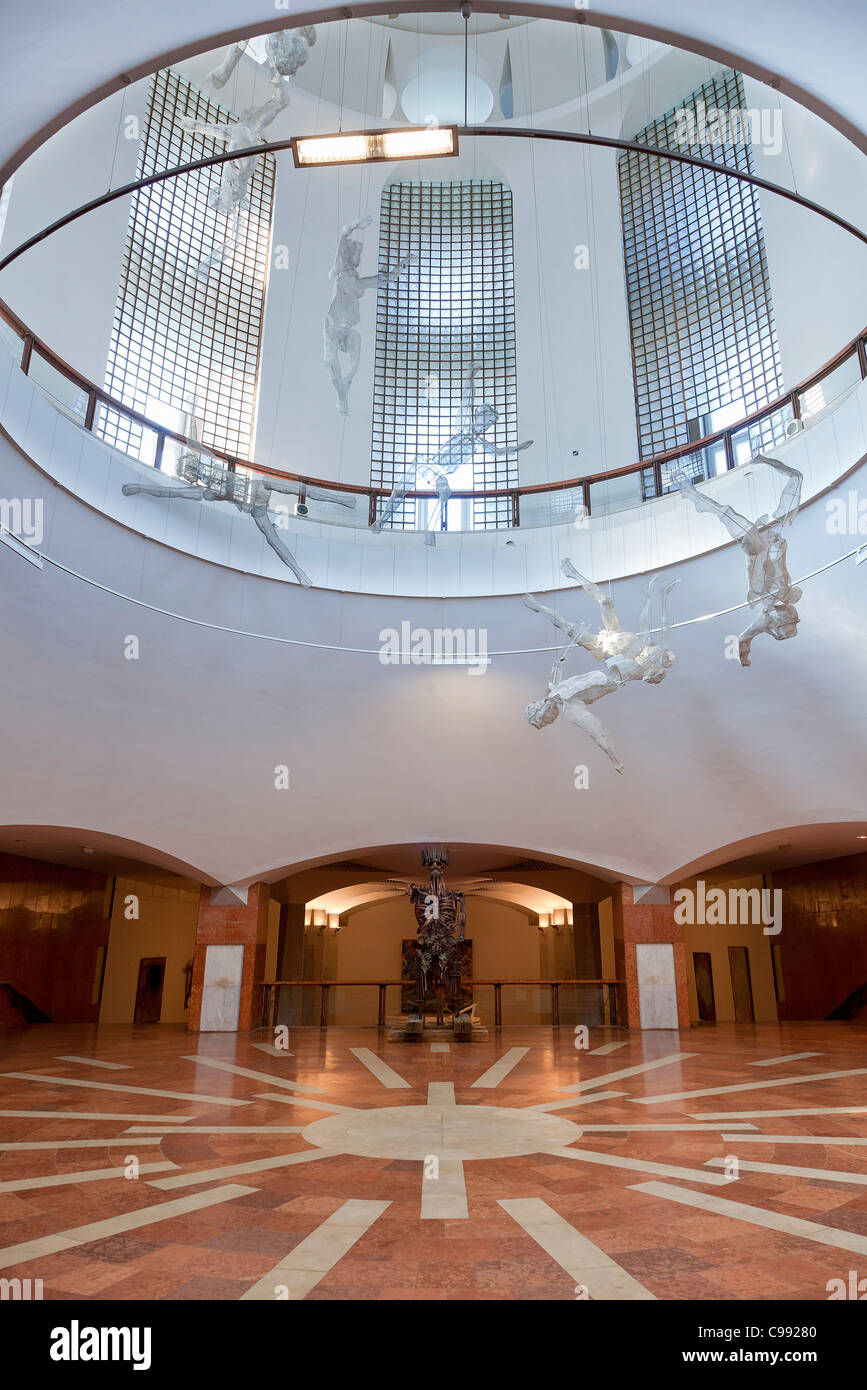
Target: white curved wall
[{"x": 177, "y": 750}]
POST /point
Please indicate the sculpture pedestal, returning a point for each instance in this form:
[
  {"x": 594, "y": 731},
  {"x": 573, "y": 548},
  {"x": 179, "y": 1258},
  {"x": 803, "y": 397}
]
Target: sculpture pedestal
[{"x": 403, "y": 1028}]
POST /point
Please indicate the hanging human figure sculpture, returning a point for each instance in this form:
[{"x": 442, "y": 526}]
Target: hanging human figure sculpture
[
  {"x": 285, "y": 52},
  {"x": 231, "y": 195},
  {"x": 472, "y": 425},
  {"x": 341, "y": 333},
  {"x": 204, "y": 480},
  {"x": 626, "y": 656},
  {"x": 770, "y": 586}
]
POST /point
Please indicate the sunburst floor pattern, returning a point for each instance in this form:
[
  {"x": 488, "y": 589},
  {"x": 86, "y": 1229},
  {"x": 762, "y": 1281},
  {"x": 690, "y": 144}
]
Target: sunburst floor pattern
[{"x": 710, "y": 1164}]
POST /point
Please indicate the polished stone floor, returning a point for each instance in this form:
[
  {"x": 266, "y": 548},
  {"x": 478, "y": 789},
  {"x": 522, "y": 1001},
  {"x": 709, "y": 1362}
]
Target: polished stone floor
[{"x": 723, "y": 1162}]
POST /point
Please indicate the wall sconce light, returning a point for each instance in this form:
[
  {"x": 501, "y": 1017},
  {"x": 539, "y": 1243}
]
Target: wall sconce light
[
  {"x": 558, "y": 918},
  {"x": 544, "y": 921},
  {"x": 320, "y": 917},
  {"x": 308, "y": 916},
  {"x": 334, "y": 921}
]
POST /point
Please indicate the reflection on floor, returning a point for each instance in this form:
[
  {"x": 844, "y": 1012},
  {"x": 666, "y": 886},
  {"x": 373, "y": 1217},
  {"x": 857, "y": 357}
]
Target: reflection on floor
[{"x": 720, "y": 1163}]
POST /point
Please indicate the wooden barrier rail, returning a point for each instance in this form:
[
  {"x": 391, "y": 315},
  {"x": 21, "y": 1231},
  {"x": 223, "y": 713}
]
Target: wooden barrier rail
[
  {"x": 649, "y": 469},
  {"x": 611, "y": 1006}
]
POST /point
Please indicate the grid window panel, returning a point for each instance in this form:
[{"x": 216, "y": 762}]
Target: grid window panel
[
  {"x": 180, "y": 339},
  {"x": 455, "y": 306},
  {"x": 700, "y": 309}
]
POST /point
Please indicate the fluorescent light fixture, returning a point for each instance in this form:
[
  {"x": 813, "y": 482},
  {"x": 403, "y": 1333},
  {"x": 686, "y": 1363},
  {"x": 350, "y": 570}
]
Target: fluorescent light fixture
[{"x": 362, "y": 147}]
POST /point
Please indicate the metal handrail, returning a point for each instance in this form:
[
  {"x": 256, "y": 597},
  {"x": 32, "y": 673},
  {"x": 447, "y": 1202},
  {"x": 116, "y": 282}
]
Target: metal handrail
[
  {"x": 269, "y": 995},
  {"x": 97, "y": 396}
]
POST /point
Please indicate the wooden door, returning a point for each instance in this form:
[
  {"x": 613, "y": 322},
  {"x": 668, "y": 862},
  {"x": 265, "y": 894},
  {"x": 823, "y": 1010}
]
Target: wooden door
[
  {"x": 742, "y": 988},
  {"x": 701, "y": 964},
  {"x": 149, "y": 994}
]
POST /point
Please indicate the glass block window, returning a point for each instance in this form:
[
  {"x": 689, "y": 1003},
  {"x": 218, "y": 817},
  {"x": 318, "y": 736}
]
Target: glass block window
[
  {"x": 704, "y": 343},
  {"x": 455, "y": 306},
  {"x": 185, "y": 343}
]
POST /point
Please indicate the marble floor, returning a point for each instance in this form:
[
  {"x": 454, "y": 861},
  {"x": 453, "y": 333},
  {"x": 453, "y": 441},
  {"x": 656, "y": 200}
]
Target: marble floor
[{"x": 723, "y": 1162}]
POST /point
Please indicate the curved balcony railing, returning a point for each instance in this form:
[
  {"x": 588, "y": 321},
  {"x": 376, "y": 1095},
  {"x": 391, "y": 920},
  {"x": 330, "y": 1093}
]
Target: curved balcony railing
[{"x": 537, "y": 504}]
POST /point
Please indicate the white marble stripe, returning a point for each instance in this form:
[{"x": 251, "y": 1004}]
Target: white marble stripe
[
  {"x": 307, "y": 1103},
  {"x": 265, "y": 1076},
  {"x": 589, "y": 1099},
  {"x": 789, "y": 1170},
  {"x": 95, "y": 1062},
  {"x": 792, "y": 1057},
  {"x": 602, "y": 1277},
  {"x": 380, "y": 1069},
  {"x": 273, "y": 1051},
  {"x": 30, "y": 1144},
  {"x": 752, "y": 1086},
  {"x": 440, "y": 1047},
  {"x": 116, "y": 1086},
  {"x": 83, "y": 1175},
  {"x": 91, "y": 1115},
  {"x": 658, "y": 1129},
  {"x": 638, "y": 1165},
  {"x": 309, "y": 1261},
  {"x": 501, "y": 1068},
  {"x": 669, "y": 1061},
  {"x": 779, "y": 1114},
  {"x": 604, "y": 1050},
  {"x": 840, "y": 1140},
  {"x": 202, "y": 1129},
  {"x": 238, "y": 1170},
  {"x": 444, "y": 1198},
  {"x": 757, "y": 1216},
  {"x": 116, "y": 1225},
  {"x": 441, "y": 1093}
]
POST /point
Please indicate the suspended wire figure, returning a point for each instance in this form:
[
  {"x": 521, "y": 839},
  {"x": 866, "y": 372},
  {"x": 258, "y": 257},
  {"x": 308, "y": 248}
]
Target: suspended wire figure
[
  {"x": 473, "y": 423},
  {"x": 341, "y": 333},
  {"x": 285, "y": 52},
  {"x": 626, "y": 656},
  {"x": 204, "y": 480},
  {"x": 231, "y": 196},
  {"x": 770, "y": 585}
]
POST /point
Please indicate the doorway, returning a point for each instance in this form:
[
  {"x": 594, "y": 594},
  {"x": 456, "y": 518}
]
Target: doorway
[
  {"x": 703, "y": 969},
  {"x": 742, "y": 987},
  {"x": 149, "y": 994}
]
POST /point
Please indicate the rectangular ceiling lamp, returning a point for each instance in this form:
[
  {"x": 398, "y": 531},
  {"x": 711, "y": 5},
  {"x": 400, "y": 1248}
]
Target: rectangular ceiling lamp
[{"x": 416, "y": 142}]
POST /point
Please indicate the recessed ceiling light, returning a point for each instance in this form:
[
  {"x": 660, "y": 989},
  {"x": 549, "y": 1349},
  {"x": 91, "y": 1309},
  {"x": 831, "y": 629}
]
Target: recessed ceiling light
[
  {"x": 861, "y": 837},
  {"x": 86, "y": 849}
]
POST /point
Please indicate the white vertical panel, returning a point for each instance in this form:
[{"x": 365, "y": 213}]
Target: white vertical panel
[{"x": 221, "y": 991}]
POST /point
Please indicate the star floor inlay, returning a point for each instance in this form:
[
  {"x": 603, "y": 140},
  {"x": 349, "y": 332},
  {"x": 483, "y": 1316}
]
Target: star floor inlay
[{"x": 363, "y": 1169}]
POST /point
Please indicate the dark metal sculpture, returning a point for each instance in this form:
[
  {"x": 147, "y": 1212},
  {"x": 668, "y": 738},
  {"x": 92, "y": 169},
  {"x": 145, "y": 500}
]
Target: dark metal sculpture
[{"x": 441, "y": 916}]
